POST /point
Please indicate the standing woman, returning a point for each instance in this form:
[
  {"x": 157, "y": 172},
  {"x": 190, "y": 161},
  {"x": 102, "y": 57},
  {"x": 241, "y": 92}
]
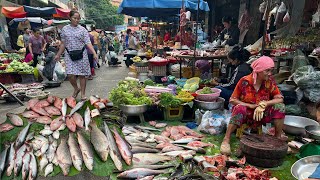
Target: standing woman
[
  {"x": 75, "y": 38},
  {"x": 37, "y": 44},
  {"x": 104, "y": 43}
]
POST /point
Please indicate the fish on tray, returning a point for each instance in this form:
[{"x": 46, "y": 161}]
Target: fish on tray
[
  {"x": 123, "y": 147},
  {"x": 138, "y": 173},
  {"x": 30, "y": 114},
  {"x": 86, "y": 151},
  {"x": 31, "y": 103},
  {"x": 53, "y": 111}
]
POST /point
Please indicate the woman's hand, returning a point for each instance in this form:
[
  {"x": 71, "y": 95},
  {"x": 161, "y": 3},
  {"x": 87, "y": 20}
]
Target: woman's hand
[
  {"x": 95, "y": 57},
  {"x": 252, "y": 106},
  {"x": 214, "y": 82},
  {"x": 57, "y": 57}
]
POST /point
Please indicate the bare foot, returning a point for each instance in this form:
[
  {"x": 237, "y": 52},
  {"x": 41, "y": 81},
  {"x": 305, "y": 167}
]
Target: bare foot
[
  {"x": 225, "y": 148},
  {"x": 75, "y": 93}
]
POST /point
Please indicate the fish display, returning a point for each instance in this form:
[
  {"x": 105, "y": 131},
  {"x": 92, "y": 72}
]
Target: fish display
[
  {"x": 86, "y": 151},
  {"x": 15, "y": 119},
  {"x": 138, "y": 173},
  {"x": 124, "y": 149},
  {"x": 75, "y": 152},
  {"x": 100, "y": 142},
  {"x": 64, "y": 157}
]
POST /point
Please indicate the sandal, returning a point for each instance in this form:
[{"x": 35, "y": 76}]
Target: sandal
[
  {"x": 84, "y": 99},
  {"x": 225, "y": 148},
  {"x": 76, "y": 93}
]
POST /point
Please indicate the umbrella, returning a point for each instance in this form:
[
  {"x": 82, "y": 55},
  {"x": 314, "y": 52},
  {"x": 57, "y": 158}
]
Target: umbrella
[{"x": 29, "y": 21}]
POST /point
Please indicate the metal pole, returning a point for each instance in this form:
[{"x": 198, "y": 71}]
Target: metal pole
[
  {"x": 196, "y": 41},
  {"x": 12, "y": 95}
]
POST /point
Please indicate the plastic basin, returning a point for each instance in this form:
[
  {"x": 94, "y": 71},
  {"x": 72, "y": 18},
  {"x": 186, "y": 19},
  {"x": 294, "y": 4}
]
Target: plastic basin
[{"x": 208, "y": 97}]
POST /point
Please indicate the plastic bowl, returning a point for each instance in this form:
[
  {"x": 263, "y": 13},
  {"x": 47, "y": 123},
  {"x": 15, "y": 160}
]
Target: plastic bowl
[
  {"x": 208, "y": 97},
  {"x": 185, "y": 100}
]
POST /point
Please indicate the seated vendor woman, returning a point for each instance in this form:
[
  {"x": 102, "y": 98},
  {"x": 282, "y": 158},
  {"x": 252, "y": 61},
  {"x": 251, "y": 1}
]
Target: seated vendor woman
[
  {"x": 237, "y": 58},
  {"x": 230, "y": 34},
  {"x": 257, "y": 100}
]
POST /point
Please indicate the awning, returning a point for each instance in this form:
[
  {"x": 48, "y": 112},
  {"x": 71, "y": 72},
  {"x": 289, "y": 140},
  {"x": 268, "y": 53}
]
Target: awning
[
  {"x": 33, "y": 21},
  {"x": 13, "y": 12},
  {"x": 62, "y": 13},
  {"x": 37, "y": 11},
  {"x": 54, "y": 22}
]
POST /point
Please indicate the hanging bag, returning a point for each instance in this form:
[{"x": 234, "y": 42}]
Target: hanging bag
[
  {"x": 76, "y": 55},
  {"x": 286, "y": 18}
]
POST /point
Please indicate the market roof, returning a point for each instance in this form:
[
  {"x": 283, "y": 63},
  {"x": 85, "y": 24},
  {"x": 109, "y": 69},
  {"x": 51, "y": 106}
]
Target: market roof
[{"x": 154, "y": 8}]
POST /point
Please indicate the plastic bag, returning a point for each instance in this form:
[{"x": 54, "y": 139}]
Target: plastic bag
[
  {"x": 282, "y": 8},
  {"x": 286, "y": 17},
  {"x": 60, "y": 73},
  {"x": 262, "y": 7},
  {"x": 212, "y": 123}
]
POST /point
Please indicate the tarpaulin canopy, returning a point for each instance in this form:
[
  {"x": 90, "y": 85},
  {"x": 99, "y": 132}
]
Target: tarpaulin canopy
[
  {"x": 13, "y": 12},
  {"x": 37, "y": 11},
  {"x": 54, "y": 22},
  {"x": 34, "y": 22},
  {"x": 62, "y": 13},
  {"x": 155, "y": 8}
]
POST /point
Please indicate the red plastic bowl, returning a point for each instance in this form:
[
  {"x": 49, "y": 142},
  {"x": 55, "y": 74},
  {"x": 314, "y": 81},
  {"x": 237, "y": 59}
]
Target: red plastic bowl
[{"x": 208, "y": 97}]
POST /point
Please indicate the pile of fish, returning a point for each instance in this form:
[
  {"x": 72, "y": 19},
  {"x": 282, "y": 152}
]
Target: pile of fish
[{"x": 15, "y": 121}]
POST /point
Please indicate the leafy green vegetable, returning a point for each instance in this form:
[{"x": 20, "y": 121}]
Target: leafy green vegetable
[
  {"x": 169, "y": 100},
  {"x": 206, "y": 90},
  {"x": 148, "y": 82}
]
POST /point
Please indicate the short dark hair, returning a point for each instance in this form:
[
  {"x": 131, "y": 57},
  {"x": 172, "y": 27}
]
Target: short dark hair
[
  {"x": 128, "y": 31},
  {"x": 35, "y": 30},
  {"x": 93, "y": 28},
  {"x": 158, "y": 33},
  {"x": 240, "y": 54},
  {"x": 227, "y": 19},
  {"x": 73, "y": 12},
  {"x": 189, "y": 29}
]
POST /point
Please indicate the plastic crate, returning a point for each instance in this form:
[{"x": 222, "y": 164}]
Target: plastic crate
[
  {"x": 173, "y": 114},
  {"x": 142, "y": 69},
  {"x": 159, "y": 70}
]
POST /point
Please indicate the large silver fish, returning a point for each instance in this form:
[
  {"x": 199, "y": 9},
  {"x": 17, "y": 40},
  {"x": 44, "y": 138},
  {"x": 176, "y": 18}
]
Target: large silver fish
[
  {"x": 77, "y": 107},
  {"x": 32, "y": 167},
  {"x": 18, "y": 159},
  {"x": 64, "y": 109},
  {"x": 123, "y": 147},
  {"x": 138, "y": 173},
  {"x": 86, "y": 150},
  {"x": 87, "y": 118},
  {"x": 12, "y": 154},
  {"x": 75, "y": 152},
  {"x": 3, "y": 157},
  {"x": 25, "y": 166},
  {"x": 64, "y": 157},
  {"x": 22, "y": 136},
  {"x": 114, "y": 151},
  {"x": 99, "y": 142},
  {"x": 149, "y": 158},
  {"x": 138, "y": 149}
]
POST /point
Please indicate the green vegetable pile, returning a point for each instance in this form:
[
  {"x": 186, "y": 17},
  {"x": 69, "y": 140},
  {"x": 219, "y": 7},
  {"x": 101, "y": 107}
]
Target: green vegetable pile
[
  {"x": 167, "y": 100},
  {"x": 16, "y": 66},
  {"x": 206, "y": 90},
  {"x": 14, "y": 57},
  {"x": 149, "y": 82},
  {"x": 129, "y": 93}
]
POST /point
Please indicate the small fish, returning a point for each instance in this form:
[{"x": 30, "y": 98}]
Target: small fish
[
  {"x": 50, "y": 99},
  {"x": 147, "y": 177},
  {"x": 25, "y": 166},
  {"x": 196, "y": 149},
  {"x": 147, "y": 145},
  {"x": 58, "y": 103},
  {"x": 171, "y": 148},
  {"x": 15, "y": 119},
  {"x": 64, "y": 157},
  {"x": 30, "y": 114},
  {"x": 78, "y": 119},
  {"x": 99, "y": 142},
  {"x": 177, "y": 153},
  {"x": 46, "y": 132},
  {"x": 160, "y": 125},
  {"x": 99, "y": 105},
  {"x": 31, "y": 103},
  {"x": 43, "y": 120},
  {"x": 154, "y": 166},
  {"x": 149, "y": 158},
  {"x": 71, "y": 124},
  {"x": 40, "y": 110},
  {"x": 22, "y": 136},
  {"x": 33, "y": 167},
  {"x": 62, "y": 127},
  {"x": 56, "y": 134},
  {"x": 64, "y": 108},
  {"x": 71, "y": 101},
  {"x": 12, "y": 154},
  {"x": 53, "y": 111},
  {"x": 42, "y": 104},
  {"x": 3, "y": 157},
  {"x": 86, "y": 151},
  {"x": 77, "y": 107},
  {"x": 18, "y": 159},
  {"x": 52, "y": 150},
  {"x": 93, "y": 99},
  {"x": 5, "y": 127},
  {"x": 43, "y": 162},
  {"x": 123, "y": 147},
  {"x": 48, "y": 169},
  {"x": 138, "y": 149},
  {"x": 114, "y": 152},
  {"x": 30, "y": 136},
  {"x": 184, "y": 141},
  {"x": 87, "y": 119},
  {"x": 56, "y": 123},
  {"x": 75, "y": 152},
  {"x": 138, "y": 173},
  {"x": 44, "y": 147},
  {"x": 147, "y": 128}
]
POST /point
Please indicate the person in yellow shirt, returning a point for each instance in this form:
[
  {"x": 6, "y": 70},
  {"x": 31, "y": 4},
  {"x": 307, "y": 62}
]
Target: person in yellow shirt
[
  {"x": 96, "y": 41},
  {"x": 20, "y": 42}
]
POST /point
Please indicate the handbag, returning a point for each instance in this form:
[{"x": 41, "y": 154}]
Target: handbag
[{"x": 76, "y": 55}]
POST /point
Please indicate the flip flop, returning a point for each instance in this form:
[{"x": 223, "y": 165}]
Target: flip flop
[
  {"x": 76, "y": 94},
  {"x": 84, "y": 99}
]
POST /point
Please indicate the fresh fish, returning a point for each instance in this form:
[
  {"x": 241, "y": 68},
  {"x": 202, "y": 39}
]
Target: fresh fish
[
  {"x": 163, "y": 145},
  {"x": 43, "y": 120},
  {"x": 40, "y": 110},
  {"x": 31, "y": 103},
  {"x": 138, "y": 149},
  {"x": 149, "y": 158},
  {"x": 64, "y": 157},
  {"x": 42, "y": 104},
  {"x": 64, "y": 108},
  {"x": 46, "y": 132},
  {"x": 11, "y": 156},
  {"x": 154, "y": 166},
  {"x": 160, "y": 125},
  {"x": 147, "y": 178},
  {"x": 18, "y": 159},
  {"x": 44, "y": 147},
  {"x": 53, "y": 111},
  {"x": 22, "y": 136},
  {"x": 33, "y": 167},
  {"x": 15, "y": 119},
  {"x": 196, "y": 149},
  {"x": 114, "y": 152},
  {"x": 199, "y": 144},
  {"x": 87, "y": 118},
  {"x": 71, "y": 124},
  {"x": 161, "y": 139},
  {"x": 55, "y": 161},
  {"x": 138, "y": 173},
  {"x": 52, "y": 150},
  {"x": 30, "y": 114},
  {"x": 99, "y": 142},
  {"x": 50, "y": 99},
  {"x": 3, "y": 157},
  {"x": 184, "y": 141},
  {"x": 43, "y": 162},
  {"x": 171, "y": 148},
  {"x": 147, "y": 128},
  {"x": 142, "y": 144},
  {"x": 132, "y": 139},
  {"x": 48, "y": 169},
  {"x": 58, "y": 103},
  {"x": 99, "y": 105},
  {"x": 94, "y": 113},
  {"x": 86, "y": 151},
  {"x": 71, "y": 101},
  {"x": 56, "y": 134},
  {"x": 123, "y": 147},
  {"x": 5, "y": 127},
  {"x": 56, "y": 123},
  {"x": 30, "y": 136},
  {"x": 62, "y": 127},
  {"x": 93, "y": 99},
  {"x": 75, "y": 152},
  {"x": 78, "y": 119},
  {"x": 77, "y": 107},
  {"x": 177, "y": 153},
  {"x": 25, "y": 166},
  {"x": 126, "y": 130}
]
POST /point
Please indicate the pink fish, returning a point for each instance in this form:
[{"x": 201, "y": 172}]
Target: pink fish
[
  {"x": 160, "y": 125},
  {"x": 15, "y": 119},
  {"x": 50, "y": 99},
  {"x": 5, "y": 127},
  {"x": 171, "y": 148},
  {"x": 163, "y": 144},
  {"x": 56, "y": 123},
  {"x": 71, "y": 101},
  {"x": 42, "y": 103},
  {"x": 43, "y": 120},
  {"x": 71, "y": 124},
  {"x": 31, "y": 103},
  {"x": 78, "y": 119},
  {"x": 123, "y": 147},
  {"x": 53, "y": 111},
  {"x": 40, "y": 111},
  {"x": 93, "y": 100},
  {"x": 199, "y": 144},
  {"x": 58, "y": 103},
  {"x": 162, "y": 138},
  {"x": 152, "y": 123},
  {"x": 30, "y": 114}
]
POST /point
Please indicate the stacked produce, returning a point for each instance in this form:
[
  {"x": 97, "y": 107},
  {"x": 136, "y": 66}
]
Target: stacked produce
[{"x": 17, "y": 66}]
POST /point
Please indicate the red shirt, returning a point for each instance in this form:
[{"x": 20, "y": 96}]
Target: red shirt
[
  {"x": 188, "y": 40},
  {"x": 246, "y": 93},
  {"x": 167, "y": 37}
]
